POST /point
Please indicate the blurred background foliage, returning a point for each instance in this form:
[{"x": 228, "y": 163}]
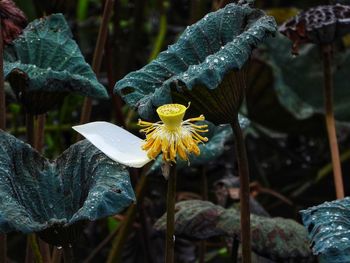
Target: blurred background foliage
[{"x": 288, "y": 154}]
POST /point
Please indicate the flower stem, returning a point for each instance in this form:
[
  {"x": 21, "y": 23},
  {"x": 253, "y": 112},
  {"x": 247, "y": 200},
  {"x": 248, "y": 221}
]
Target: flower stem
[
  {"x": 30, "y": 129},
  {"x": 204, "y": 190},
  {"x": 56, "y": 255},
  {"x": 3, "y": 248},
  {"x": 97, "y": 59},
  {"x": 115, "y": 255},
  {"x": 40, "y": 132},
  {"x": 330, "y": 122},
  {"x": 243, "y": 170},
  {"x": 170, "y": 219},
  {"x": 35, "y": 139},
  {"x": 157, "y": 46},
  {"x": 34, "y": 249},
  {"x": 68, "y": 255}
]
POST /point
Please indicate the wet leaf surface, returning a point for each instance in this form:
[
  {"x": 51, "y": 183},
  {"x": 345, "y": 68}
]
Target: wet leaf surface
[
  {"x": 275, "y": 238},
  {"x": 45, "y": 63},
  {"x": 37, "y": 194},
  {"x": 329, "y": 228},
  {"x": 193, "y": 67}
]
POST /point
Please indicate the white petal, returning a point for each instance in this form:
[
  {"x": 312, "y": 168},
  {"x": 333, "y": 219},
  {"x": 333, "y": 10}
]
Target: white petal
[{"x": 117, "y": 143}]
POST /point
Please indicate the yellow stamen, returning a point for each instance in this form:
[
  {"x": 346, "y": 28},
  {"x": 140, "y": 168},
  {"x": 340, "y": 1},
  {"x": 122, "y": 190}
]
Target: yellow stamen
[{"x": 172, "y": 136}]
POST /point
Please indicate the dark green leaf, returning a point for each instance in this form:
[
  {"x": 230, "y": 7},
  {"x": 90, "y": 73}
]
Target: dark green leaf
[
  {"x": 299, "y": 80},
  {"x": 263, "y": 101},
  {"x": 37, "y": 194},
  {"x": 329, "y": 229},
  {"x": 276, "y": 238},
  {"x": 195, "y": 66},
  {"x": 46, "y": 60}
]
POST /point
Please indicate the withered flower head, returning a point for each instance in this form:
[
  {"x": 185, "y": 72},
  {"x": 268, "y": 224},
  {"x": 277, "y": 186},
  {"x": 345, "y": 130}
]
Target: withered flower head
[
  {"x": 318, "y": 25},
  {"x": 13, "y": 20}
]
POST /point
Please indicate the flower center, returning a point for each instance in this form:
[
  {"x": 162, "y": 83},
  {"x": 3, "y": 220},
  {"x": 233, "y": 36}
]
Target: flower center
[{"x": 172, "y": 115}]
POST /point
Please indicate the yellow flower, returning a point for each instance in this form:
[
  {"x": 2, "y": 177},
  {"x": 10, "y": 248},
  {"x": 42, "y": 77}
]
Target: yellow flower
[{"x": 172, "y": 135}]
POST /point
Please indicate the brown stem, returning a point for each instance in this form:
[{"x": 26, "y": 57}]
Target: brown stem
[
  {"x": 44, "y": 250},
  {"x": 33, "y": 249},
  {"x": 29, "y": 253},
  {"x": 97, "y": 59},
  {"x": 68, "y": 255},
  {"x": 243, "y": 170},
  {"x": 41, "y": 249},
  {"x": 170, "y": 218},
  {"x": 30, "y": 128},
  {"x": 2, "y": 86},
  {"x": 40, "y": 132},
  {"x": 119, "y": 242},
  {"x": 56, "y": 255},
  {"x": 3, "y": 248},
  {"x": 204, "y": 190},
  {"x": 330, "y": 122},
  {"x": 116, "y": 100}
]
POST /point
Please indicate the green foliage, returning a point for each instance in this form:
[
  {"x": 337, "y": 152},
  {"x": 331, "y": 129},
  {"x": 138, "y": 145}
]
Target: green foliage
[
  {"x": 275, "y": 238},
  {"x": 299, "y": 79},
  {"x": 203, "y": 56},
  {"x": 45, "y": 63},
  {"x": 41, "y": 195},
  {"x": 329, "y": 227}
]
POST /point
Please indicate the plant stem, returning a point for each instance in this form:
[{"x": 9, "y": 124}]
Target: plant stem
[
  {"x": 44, "y": 250},
  {"x": 30, "y": 128},
  {"x": 243, "y": 170},
  {"x": 68, "y": 255},
  {"x": 32, "y": 245},
  {"x": 3, "y": 248},
  {"x": 56, "y": 255},
  {"x": 204, "y": 190},
  {"x": 158, "y": 44},
  {"x": 2, "y": 86},
  {"x": 330, "y": 122},
  {"x": 119, "y": 242},
  {"x": 40, "y": 132},
  {"x": 34, "y": 249},
  {"x": 97, "y": 59},
  {"x": 116, "y": 100},
  {"x": 170, "y": 218},
  {"x": 35, "y": 139}
]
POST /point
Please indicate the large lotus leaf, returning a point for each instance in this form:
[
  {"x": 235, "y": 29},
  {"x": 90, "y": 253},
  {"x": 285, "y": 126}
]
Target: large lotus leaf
[
  {"x": 299, "y": 80},
  {"x": 37, "y": 194},
  {"x": 262, "y": 102},
  {"x": 194, "y": 67},
  {"x": 276, "y": 238},
  {"x": 329, "y": 230},
  {"x": 45, "y": 59}
]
